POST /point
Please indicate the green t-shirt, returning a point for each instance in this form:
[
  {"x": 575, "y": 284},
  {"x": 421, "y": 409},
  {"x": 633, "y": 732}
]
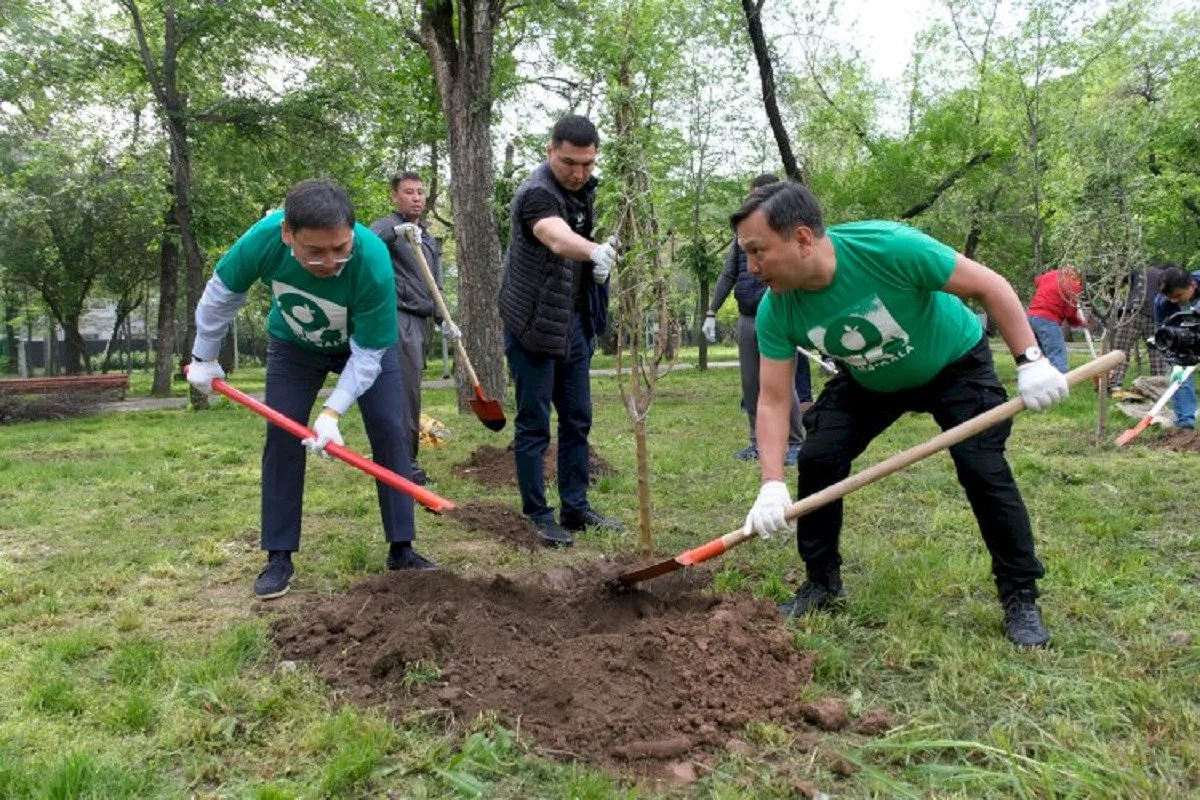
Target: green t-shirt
[
  {"x": 884, "y": 315},
  {"x": 317, "y": 313}
]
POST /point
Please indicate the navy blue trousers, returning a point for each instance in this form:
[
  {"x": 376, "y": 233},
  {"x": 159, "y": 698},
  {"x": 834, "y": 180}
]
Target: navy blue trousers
[
  {"x": 294, "y": 376},
  {"x": 540, "y": 381}
]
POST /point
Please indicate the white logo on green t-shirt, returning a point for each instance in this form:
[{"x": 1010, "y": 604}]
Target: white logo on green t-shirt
[
  {"x": 310, "y": 318},
  {"x": 866, "y": 336}
]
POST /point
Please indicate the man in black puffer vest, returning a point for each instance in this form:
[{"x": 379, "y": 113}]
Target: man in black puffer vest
[{"x": 553, "y": 303}]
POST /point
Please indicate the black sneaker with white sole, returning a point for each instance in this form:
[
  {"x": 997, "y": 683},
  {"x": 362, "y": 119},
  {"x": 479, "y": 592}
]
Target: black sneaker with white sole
[
  {"x": 1023, "y": 625},
  {"x": 275, "y": 579}
]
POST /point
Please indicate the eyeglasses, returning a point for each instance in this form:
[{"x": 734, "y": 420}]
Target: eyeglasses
[{"x": 338, "y": 259}]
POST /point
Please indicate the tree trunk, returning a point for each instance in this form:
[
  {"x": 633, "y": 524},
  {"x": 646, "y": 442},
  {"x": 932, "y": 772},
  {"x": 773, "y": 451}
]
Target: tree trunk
[
  {"x": 168, "y": 289},
  {"x": 460, "y": 51},
  {"x": 12, "y": 341},
  {"x": 645, "y": 542},
  {"x": 766, "y": 73},
  {"x": 703, "y": 312},
  {"x": 124, "y": 309}
]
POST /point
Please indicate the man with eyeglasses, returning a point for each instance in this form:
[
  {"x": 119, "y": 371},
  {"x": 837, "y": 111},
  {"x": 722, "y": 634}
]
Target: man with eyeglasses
[{"x": 333, "y": 309}]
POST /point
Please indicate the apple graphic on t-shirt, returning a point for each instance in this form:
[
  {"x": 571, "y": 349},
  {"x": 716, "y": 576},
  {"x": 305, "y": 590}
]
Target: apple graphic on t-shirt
[{"x": 852, "y": 340}]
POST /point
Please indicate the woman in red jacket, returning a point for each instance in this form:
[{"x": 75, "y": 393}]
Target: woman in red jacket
[{"x": 1055, "y": 301}]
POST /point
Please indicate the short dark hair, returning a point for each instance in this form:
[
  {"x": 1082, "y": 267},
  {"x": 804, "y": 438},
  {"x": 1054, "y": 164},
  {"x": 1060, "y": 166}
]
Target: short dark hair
[
  {"x": 318, "y": 203},
  {"x": 766, "y": 179},
  {"x": 1173, "y": 279},
  {"x": 406, "y": 175},
  {"x": 786, "y": 205},
  {"x": 575, "y": 129}
]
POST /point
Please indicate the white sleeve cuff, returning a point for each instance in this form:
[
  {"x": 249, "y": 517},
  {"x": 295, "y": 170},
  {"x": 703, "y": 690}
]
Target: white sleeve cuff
[{"x": 340, "y": 400}]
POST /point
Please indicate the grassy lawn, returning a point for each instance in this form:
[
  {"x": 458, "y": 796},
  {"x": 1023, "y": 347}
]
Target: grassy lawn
[{"x": 135, "y": 663}]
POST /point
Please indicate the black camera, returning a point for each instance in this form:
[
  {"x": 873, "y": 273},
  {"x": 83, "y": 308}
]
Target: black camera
[{"x": 1179, "y": 338}]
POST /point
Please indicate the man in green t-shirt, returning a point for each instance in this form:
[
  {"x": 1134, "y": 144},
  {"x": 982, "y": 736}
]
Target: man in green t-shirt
[
  {"x": 333, "y": 309},
  {"x": 884, "y": 300}
]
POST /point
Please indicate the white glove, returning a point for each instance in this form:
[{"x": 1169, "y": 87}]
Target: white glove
[
  {"x": 709, "y": 328},
  {"x": 604, "y": 258},
  {"x": 409, "y": 232},
  {"x": 326, "y": 429},
  {"x": 450, "y": 331},
  {"x": 1041, "y": 385},
  {"x": 201, "y": 374},
  {"x": 766, "y": 517}
]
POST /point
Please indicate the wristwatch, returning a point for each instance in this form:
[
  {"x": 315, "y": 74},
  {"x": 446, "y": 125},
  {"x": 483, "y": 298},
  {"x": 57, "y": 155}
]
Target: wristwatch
[{"x": 1028, "y": 355}]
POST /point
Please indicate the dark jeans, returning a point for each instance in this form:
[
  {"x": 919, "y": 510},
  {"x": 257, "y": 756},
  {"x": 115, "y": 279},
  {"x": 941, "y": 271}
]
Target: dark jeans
[
  {"x": 847, "y": 417},
  {"x": 541, "y": 380},
  {"x": 803, "y": 379},
  {"x": 294, "y": 376}
]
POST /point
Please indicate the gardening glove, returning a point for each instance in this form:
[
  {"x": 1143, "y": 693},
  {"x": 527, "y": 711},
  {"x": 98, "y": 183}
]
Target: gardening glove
[
  {"x": 450, "y": 331},
  {"x": 1177, "y": 373},
  {"x": 1041, "y": 385},
  {"x": 409, "y": 232},
  {"x": 201, "y": 374},
  {"x": 326, "y": 430},
  {"x": 604, "y": 258},
  {"x": 709, "y": 328},
  {"x": 766, "y": 517}
]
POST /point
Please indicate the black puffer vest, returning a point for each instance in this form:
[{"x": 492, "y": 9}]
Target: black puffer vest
[{"x": 537, "y": 288}]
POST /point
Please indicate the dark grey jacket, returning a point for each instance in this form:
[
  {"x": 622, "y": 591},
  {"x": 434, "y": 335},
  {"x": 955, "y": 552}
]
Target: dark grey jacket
[
  {"x": 747, "y": 289},
  {"x": 537, "y": 287},
  {"x": 412, "y": 295}
]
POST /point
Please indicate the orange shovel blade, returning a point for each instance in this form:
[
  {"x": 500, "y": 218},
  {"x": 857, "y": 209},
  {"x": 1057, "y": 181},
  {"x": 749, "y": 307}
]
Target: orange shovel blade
[{"x": 489, "y": 411}]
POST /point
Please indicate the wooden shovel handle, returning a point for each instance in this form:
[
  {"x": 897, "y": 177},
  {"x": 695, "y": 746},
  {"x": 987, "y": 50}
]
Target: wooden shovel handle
[
  {"x": 942, "y": 441},
  {"x": 427, "y": 274}
]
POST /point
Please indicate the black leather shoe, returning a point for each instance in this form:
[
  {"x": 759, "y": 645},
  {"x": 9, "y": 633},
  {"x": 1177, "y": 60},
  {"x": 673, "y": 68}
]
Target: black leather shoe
[
  {"x": 814, "y": 596},
  {"x": 407, "y": 558},
  {"x": 583, "y": 520},
  {"x": 276, "y": 578},
  {"x": 552, "y": 534},
  {"x": 1023, "y": 624},
  {"x": 419, "y": 476}
]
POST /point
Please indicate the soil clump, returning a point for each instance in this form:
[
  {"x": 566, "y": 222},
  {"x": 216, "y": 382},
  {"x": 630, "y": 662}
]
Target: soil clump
[
  {"x": 1180, "y": 440},
  {"x": 499, "y": 521},
  {"x": 496, "y": 468},
  {"x": 640, "y": 676}
]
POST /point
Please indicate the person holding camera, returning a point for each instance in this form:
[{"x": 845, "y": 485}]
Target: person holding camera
[{"x": 1177, "y": 292}]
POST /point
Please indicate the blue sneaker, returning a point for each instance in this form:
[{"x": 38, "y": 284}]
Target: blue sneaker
[
  {"x": 749, "y": 453},
  {"x": 793, "y": 455}
]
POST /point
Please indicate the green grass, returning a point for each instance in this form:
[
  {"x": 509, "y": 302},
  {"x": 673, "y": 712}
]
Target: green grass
[{"x": 134, "y": 662}]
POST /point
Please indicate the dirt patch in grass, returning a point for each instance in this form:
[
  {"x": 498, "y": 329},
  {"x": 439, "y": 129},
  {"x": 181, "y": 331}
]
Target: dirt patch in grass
[
  {"x": 495, "y": 468},
  {"x": 643, "y": 676},
  {"x": 1179, "y": 440},
  {"x": 506, "y": 524}
]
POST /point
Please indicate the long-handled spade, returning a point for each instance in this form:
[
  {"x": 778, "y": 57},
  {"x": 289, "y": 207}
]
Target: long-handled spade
[
  {"x": 381, "y": 473},
  {"x": 842, "y": 488},
  {"x": 489, "y": 411}
]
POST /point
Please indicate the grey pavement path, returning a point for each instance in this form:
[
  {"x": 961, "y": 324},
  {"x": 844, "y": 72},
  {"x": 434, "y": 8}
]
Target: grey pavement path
[{"x": 159, "y": 403}]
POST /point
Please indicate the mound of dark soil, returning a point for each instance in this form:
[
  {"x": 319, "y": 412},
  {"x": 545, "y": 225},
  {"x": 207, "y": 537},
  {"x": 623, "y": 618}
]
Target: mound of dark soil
[
  {"x": 20, "y": 408},
  {"x": 495, "y": 468},
  {"x": 589, "y": 674},
  {"x": 1179, "y": 440},
  {"x": 506, "y": 524}
]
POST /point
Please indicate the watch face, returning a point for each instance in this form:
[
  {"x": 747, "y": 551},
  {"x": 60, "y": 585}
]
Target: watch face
[{"x": 1032, "y": 353}]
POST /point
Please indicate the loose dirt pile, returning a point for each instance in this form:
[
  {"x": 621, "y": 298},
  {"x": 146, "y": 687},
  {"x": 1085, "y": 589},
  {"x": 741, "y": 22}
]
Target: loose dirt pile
[
  {"x": 1179, "y": 440},
  {"x": 588, "y": 674},
  {"x": 506, "y": 524},
  {"x": 495, "y": 468}
]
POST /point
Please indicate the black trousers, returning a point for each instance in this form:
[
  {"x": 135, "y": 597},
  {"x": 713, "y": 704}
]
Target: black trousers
[
  {"x": 847, "y": 417},
  {"x": 294, "y": 377}
]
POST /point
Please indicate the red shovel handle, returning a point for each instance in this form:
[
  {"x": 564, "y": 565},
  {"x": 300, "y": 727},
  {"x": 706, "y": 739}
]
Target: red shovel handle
[{"x": 380, "y": 473}]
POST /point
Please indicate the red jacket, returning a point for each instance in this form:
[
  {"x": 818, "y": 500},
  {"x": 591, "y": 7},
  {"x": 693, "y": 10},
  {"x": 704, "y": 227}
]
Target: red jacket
[{"x": 1057, "y": 300}]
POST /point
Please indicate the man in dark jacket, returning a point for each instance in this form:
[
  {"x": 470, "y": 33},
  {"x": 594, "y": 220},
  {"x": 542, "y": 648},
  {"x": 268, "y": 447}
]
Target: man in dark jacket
[
  {"x": 1177, "y": 292},
  {"x": 1133, "y": 323},
  {"x": 414, "y": 302},
  {"x": 553, "y": 303},
  {"x": 748, "y": 291}
]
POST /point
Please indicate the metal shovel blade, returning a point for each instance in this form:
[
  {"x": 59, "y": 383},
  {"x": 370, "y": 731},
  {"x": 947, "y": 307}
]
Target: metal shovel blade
[{"x": 489, "y": 411}]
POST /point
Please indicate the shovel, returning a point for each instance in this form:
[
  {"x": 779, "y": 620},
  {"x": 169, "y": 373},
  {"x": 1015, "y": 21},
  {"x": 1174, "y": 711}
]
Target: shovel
[
  {"x": 1131, "y": 434},
  {"x": 379, "y": 472},
  {"x": 946, "y": 439},
  {"x": 489, "y": 411}
]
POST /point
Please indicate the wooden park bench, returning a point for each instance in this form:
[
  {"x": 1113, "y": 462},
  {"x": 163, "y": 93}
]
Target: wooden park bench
[{"x": 112, "y": 383}]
